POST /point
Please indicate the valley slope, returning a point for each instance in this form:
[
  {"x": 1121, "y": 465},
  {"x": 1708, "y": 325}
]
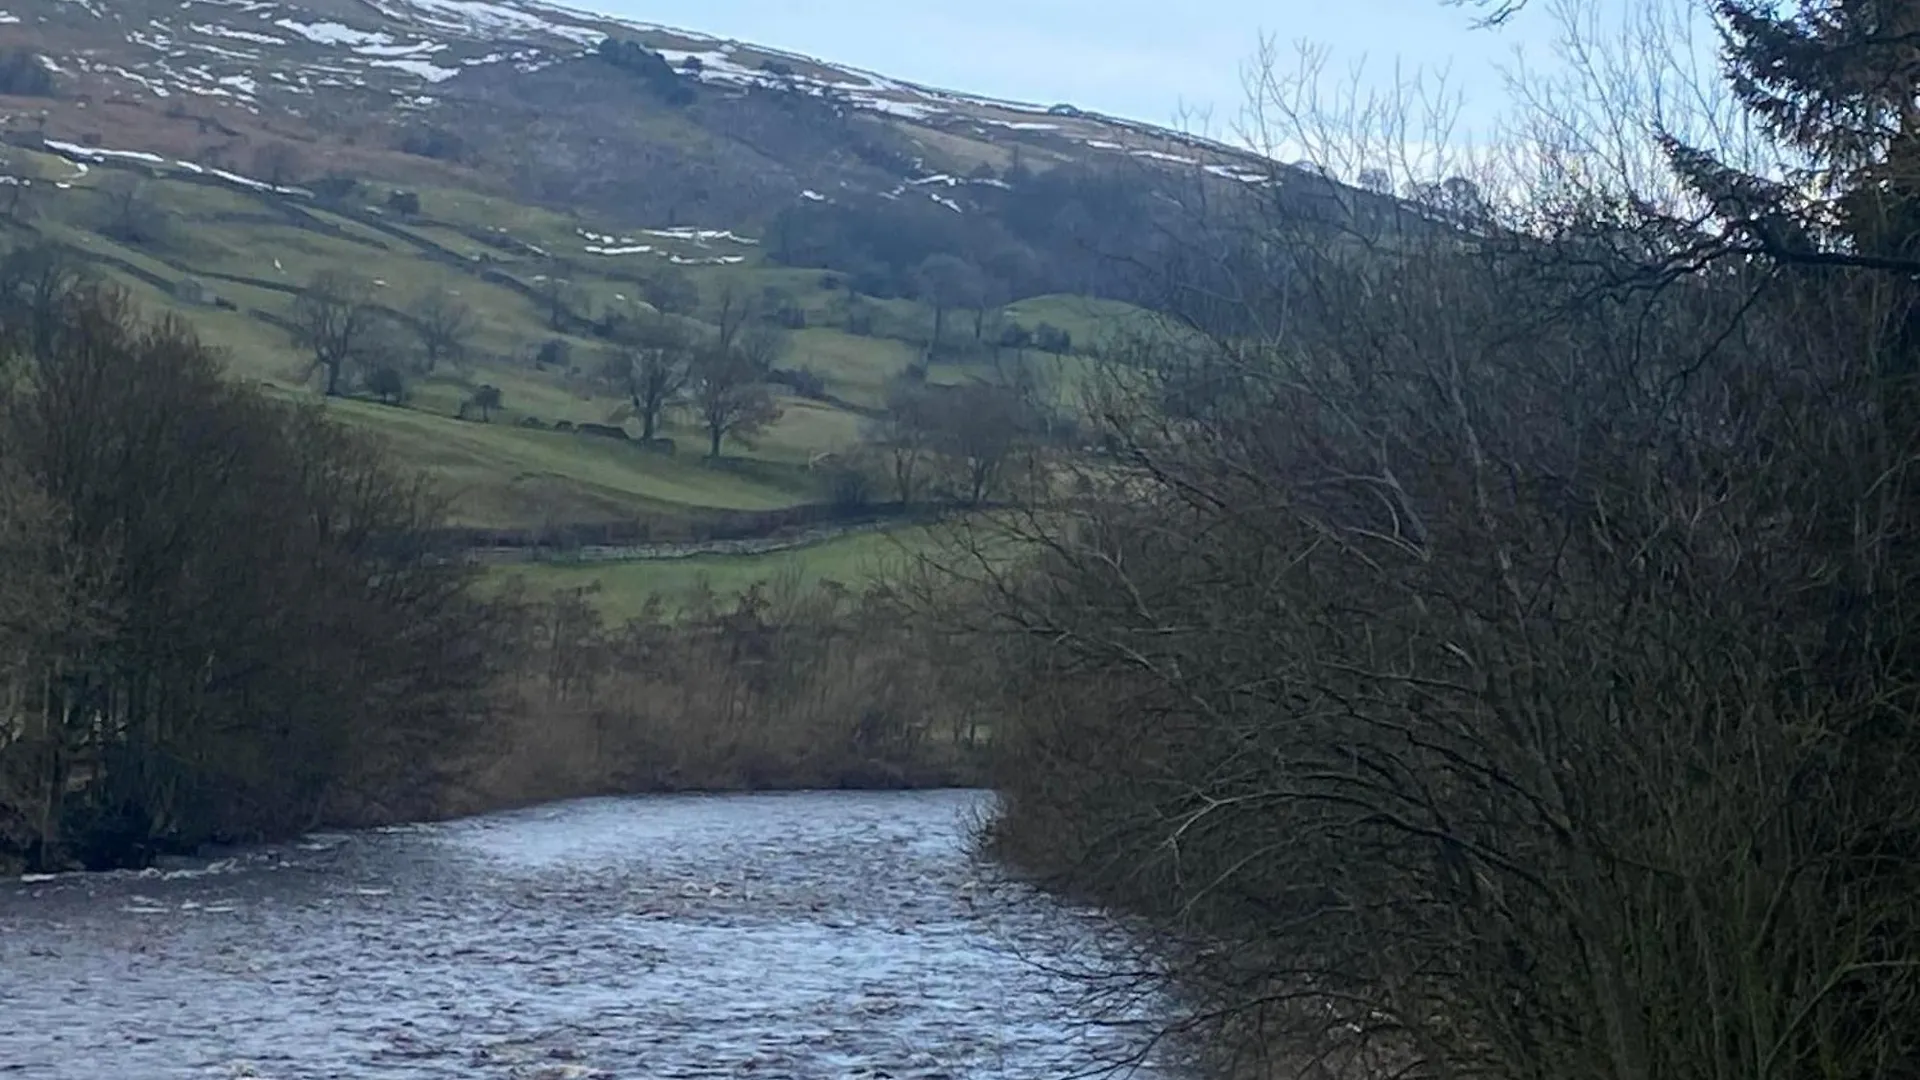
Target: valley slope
[{"x": 561, "y": 173}]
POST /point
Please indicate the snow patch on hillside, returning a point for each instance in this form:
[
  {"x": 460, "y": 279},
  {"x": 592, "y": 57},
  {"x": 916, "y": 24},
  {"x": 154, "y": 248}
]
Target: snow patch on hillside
[
  {"x": 716, "y": 65},
  {"x": 1018, "y": 125},
  {"x": 433, "y": 73},
  {"x": 488, "y": 19},
  {"x": 683, "y": 232},
  {"x": 8, "y": 17},
  {"x": 212, "y": 30},
  {"x": 95, "y": 153},
  {"x": 906, "y": 109},
  {"x": 333, "y": 33},
  {"x": 410, "y": 49}
]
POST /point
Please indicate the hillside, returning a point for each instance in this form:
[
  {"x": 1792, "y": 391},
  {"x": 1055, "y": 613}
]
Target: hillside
[{"x": 564, "y": 177}]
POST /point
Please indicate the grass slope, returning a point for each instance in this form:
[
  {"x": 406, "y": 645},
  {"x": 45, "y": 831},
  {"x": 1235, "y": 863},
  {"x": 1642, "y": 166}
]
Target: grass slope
[{"x": 254, "y": 250}]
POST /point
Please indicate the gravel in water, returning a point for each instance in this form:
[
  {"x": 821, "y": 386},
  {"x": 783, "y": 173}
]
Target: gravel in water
[{"x": 773, "y": 936}]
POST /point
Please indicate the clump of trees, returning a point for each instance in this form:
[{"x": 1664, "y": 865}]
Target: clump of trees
[
  {"x": 966, "y": 444},
  {"x": 24, "y": 74},
  {"x": 668, "y": 85},
  {"x": 222, "y": 616},
  {"x": 1495, "y": 657}
]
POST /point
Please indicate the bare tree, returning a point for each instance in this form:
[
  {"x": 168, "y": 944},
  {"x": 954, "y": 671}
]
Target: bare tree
[
  {"x": 445, "y": 325},
  {"x": 906, "y": 435},
  {"x": 336, "y": 321},
  {"x": 20, "y": 198},
  {"x": 979, "y": 427},
  {"x": 486, "y": 398},
  {"x": 560, "y": 298},
  {"x": 945, "y": 282},
  {"x": 731, "y": 397},
  {"x": 132, "y": 215},
  {"x": 278, "y": 163},
  {"x": 734, "y": 309},
  {"x": 651, "y": 367},
  {"x": 35, "y": 285}
]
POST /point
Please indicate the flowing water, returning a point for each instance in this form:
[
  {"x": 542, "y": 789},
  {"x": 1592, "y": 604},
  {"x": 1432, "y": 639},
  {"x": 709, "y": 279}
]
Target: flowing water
[{"x": 801, "y": 935}]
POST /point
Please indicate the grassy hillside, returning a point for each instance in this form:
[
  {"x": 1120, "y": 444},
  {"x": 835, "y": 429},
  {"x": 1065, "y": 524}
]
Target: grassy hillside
[{"x": 254, "y": 251}]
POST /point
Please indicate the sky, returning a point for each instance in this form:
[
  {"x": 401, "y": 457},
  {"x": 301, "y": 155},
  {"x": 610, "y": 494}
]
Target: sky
[{"x": 1155, "y": 61}]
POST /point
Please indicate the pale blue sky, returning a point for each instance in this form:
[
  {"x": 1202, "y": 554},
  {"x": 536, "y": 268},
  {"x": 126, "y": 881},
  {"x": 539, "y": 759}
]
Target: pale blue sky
[{"x": 1142, "y": 59}]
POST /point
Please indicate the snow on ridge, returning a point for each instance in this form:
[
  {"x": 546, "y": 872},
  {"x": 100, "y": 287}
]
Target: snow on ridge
[
  {"x": 431, "y": 72},
  {"x": 215, "y": 30},
  {"x": 483, "y": 17},
  {"x": 95, "y": 153},
  {"x": 812, "y": 196},
  {"x": 1159, "y": 155},
  {"x": 333, "y": 33},
  {"x": 8, "y": 17},
  {"x": 79, "y": 154},
  {"x": 687, "y": 232},
  {"x": 1018, "y": 125},
  {"x": 899, "y": 108},
  {"x": 412, "y": 49}
]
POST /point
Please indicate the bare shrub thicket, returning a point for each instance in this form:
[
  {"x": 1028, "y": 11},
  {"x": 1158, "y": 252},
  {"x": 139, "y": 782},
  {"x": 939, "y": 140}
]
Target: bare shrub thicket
[
  {"x": 1493, "y": 651},
  {"x": 786, "y": 687},
  {"x": 220, "y": 617}
]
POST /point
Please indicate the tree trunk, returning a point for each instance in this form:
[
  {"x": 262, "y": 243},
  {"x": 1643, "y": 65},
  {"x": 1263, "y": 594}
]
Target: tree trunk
[{"x": 716, "y": 431}]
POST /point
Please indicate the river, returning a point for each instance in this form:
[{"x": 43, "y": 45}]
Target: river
[{"x": 775, "y": 936}]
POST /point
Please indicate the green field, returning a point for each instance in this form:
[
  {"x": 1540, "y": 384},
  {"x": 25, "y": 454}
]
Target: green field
[
  {"x": 255, "y": 251},
  {"x": 625, "y": 588}
]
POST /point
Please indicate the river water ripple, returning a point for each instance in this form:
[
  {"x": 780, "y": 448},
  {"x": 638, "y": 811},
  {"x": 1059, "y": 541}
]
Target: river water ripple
[{"x": 801, "y": 935}]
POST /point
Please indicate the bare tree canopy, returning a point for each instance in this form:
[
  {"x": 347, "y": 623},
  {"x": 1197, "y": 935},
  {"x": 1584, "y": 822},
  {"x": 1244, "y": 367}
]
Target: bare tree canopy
[
  {"x": 221, "y": 616},
  {"x": 1486, "y": 649},
  {"x": 336, "y": 321},
  {"x": 730, "y": 395},
  {"x": 445, "y": 325},
  {"x": 651, "y": 366}
]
